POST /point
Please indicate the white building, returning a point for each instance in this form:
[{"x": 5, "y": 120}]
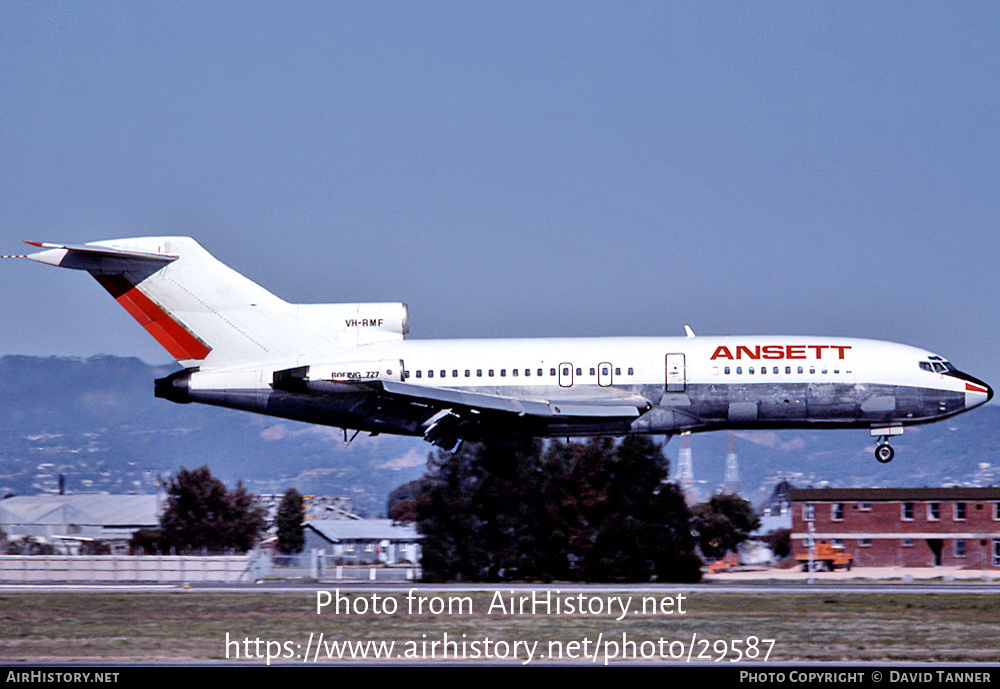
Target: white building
[
  {"x": 364, "y": 541},
  {"x": 68, "y": 521}
]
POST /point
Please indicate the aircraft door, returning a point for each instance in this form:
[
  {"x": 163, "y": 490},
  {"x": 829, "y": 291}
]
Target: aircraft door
[
  {"x": 604, "y": 374},
  {"x": 566, "y": 375},
  {"x": 676, "y": 373}
]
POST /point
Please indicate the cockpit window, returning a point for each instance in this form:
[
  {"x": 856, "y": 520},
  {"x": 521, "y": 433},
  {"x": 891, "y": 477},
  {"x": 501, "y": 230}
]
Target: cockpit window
[{"x": 937, "y": 365}]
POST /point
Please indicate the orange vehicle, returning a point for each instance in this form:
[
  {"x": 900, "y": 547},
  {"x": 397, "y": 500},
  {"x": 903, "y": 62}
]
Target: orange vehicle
[
  {"x": 827, "y": 558},
  {"x": 724, "y": 564}
]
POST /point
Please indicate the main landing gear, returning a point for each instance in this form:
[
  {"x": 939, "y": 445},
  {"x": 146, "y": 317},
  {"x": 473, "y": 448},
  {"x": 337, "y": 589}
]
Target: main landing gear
[{"x": 883, "y": 451}]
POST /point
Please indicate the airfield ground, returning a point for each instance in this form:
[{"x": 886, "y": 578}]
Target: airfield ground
[
  {"x": 201, "y": 625},
  {"x": 886, "y": 574}
]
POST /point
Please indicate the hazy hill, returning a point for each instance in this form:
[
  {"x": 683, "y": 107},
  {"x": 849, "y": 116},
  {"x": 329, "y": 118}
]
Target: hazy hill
[{"x": 96, "y": 421}]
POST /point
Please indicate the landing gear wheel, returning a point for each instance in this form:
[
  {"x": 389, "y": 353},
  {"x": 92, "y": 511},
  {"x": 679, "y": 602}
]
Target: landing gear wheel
[{"x": 884, "y": 453}]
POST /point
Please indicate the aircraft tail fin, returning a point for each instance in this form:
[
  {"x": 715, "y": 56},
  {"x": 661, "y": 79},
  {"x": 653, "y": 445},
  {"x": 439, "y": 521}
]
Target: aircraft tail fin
[
  {"x": 201, "y": 311},
  {"x": 208, "y": 315}
]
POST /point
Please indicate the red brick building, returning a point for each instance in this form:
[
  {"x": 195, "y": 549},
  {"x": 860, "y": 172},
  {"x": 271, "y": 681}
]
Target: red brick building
[{"x": 902, "y": 527}]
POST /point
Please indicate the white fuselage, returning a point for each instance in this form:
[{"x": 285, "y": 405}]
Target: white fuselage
[
  {"x": 349, "y": 365},
  {"x": 675, "y": 384}
]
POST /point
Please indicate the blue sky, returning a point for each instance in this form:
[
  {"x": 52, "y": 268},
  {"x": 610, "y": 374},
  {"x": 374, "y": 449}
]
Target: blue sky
[{"x": 518, "y": 168}]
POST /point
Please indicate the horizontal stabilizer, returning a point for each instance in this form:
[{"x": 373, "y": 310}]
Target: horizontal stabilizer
[{"x": 95, "y": 258}]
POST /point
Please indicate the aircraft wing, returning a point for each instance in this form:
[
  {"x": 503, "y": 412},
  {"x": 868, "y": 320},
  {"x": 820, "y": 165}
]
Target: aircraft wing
[
  {"x": 616, "y": 407},
  {"x": 447, "y": 415}
]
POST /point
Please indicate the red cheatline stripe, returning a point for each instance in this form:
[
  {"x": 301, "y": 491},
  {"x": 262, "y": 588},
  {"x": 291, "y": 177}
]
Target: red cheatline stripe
[
  {"x": 969, "y": 387},
  {"x": 174, "y": 337}
]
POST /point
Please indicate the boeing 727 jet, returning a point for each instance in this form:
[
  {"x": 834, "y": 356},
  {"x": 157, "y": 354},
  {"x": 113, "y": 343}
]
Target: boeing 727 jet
[{"x": 350, "y": 366}]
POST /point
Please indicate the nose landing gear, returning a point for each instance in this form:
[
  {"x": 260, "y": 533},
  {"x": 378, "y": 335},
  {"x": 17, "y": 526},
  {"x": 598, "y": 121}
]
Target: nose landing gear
[{"x": 883, "y": 451}]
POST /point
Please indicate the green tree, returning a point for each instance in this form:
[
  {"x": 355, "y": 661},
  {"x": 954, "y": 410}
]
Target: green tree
[
  {"x": 291, "y": 514},
  {"x": 145, "y": 541},
  {"x": 573, "y": 511},
  {"x": 780, "y": 542},
  {"x": 402, "y": 503},
  {"x": 404, "y": 511},
  {"x": 202, "y": 515},
  {"x": 723, "y": 523}
]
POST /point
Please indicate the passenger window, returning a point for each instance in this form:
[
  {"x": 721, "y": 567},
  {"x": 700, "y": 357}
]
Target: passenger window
[
  {"x": 618, "y": 371},
  {"x": 503, "y": 373},
  {"x": 593, "y": 372},
  {"x": 763, "y": 370},
  {"x": 468, "y": 373},
  {"x": 479, "y": 373},
  {"x": 739, "y": 370},
  {"x": 514, "y": 372},
  {"x": 812, "y": 369},
  {"x": 630, "y": 370},
  {"x": 788, "y": 369},
  {"x": 454, "y": 374},
  {"x": 491, "y": 373},
  {"x": 552, "y": 372},
  {"x": 579, "y": 371},
  {"x": 775, "y": 370},
  {"x": 799, "y": 369},
  {"x": 750, "y": 370},
  {"x": 540, "y": 372},
  {"x": 444, "y": 374},
  {"x": 418, "y": 374},
  {"x": 726, "y": 370}
]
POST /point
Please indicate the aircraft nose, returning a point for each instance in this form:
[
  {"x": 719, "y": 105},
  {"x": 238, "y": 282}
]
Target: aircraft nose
[{"x": 976, "y": 392}]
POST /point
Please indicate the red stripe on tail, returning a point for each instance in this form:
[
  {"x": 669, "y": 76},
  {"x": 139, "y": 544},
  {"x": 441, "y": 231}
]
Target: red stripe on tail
[{"x": 174, "y": 337}]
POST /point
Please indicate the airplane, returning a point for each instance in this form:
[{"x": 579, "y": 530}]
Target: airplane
[{"x": 350, "y": 366}]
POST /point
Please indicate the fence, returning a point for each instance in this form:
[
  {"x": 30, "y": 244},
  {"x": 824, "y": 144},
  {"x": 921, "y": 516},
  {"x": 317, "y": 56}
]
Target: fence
[
  {"x": 173, "y": 569},
  {"x": 36, "y": 569},
  {"x": 325, "y": 567}
]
